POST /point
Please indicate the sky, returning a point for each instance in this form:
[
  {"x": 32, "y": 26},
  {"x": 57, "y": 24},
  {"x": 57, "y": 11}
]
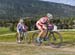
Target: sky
[{"x": 69, "y": 2}]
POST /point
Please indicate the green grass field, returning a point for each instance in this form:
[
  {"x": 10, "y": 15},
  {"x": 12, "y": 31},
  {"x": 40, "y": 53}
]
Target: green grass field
[
  {"x": 8, "y": 45},
  {"x": 4, "y": 30},
  {"x": 68, "y": 37}
]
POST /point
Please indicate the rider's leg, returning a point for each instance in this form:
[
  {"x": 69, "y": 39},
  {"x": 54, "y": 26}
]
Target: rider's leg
[
  {"x": 22, "y": 36},
  {"x": 44, "y": 32},
  {"x": 39, "y": 37},
  {"x": 41, "y": 28},
  {"x": 45, "y": 37},
  {"x": 40, "y": 33},
  {"x": 18, "y": 38}
]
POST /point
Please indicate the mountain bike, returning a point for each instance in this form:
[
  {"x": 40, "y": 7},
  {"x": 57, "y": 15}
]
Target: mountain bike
[
  {"x": 54, "y": 37},
  {"x": 23, "y": 37}
]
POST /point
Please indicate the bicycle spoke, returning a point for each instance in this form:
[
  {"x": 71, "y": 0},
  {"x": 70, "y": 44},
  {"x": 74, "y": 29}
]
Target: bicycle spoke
[{"x": 55, "y": 39}]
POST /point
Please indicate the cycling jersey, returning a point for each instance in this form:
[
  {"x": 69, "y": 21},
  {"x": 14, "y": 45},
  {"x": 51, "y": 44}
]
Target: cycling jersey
[
  {"x": 50, "y": 26},
  {"x": 43, "y": 20},
  {"x": 20, "y": 27},
  {"x": 25, "y": 28},
  {"x": 41, "y": 23}
]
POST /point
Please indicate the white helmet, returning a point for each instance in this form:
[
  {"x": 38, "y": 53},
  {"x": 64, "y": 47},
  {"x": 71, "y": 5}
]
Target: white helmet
[
  {"x": 50, "y": 16},
  {"x": 21, "y": 21}
]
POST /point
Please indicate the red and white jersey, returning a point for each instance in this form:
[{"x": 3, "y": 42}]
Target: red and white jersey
[{"x": 42, "y": 20}]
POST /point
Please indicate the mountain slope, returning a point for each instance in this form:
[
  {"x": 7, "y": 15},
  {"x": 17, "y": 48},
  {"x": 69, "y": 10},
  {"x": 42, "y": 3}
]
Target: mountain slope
[{"x": 21, "y": 8}]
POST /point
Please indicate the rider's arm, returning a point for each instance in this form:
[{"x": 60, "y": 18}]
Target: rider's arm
[{"x": 25, "y": 28}]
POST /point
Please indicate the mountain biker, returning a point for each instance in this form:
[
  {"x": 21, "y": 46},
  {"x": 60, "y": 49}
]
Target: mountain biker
[
  {"x": 41, "y": 25},
  {"x": 21, "y": 27}
]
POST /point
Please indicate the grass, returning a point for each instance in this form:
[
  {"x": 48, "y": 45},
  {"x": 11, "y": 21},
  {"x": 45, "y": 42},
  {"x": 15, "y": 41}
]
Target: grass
[
  {"x": 9, "y": 38},
  {"x": 23, "y": 49},
  {"x": 4, "y": 30},
  {"x": 68, "y": 37}
]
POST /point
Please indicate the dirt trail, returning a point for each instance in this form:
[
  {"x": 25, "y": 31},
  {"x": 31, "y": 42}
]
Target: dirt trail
[{"x": 62, "y": 48}]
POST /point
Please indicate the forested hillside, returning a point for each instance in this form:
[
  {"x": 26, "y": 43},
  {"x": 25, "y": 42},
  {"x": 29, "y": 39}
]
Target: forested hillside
[{"x": 12, "y": 9}]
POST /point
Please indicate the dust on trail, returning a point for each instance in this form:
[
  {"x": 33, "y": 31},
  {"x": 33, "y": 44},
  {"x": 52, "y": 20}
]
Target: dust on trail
[{"x": 62, "y": 48}]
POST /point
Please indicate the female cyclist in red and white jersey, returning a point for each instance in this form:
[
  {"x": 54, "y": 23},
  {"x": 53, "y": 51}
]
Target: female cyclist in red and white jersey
[{"x": 41, "y": 25}]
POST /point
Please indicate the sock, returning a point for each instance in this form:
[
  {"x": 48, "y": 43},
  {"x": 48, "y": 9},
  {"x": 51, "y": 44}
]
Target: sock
[{"x": 39, "y": 39}]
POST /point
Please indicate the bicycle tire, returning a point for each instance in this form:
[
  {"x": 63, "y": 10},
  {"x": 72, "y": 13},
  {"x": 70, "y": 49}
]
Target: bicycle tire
[
  {"x": 25, "y": 38},
  {"x": 55, "y": 39},
  {"x": 19, "y": 38},
  {"x": 34, "y": 36}
]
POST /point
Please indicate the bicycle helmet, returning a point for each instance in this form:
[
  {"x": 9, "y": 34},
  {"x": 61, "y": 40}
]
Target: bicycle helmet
[
  {"x": 50, "y": 16},
  {"x": 21, "y": 21}
]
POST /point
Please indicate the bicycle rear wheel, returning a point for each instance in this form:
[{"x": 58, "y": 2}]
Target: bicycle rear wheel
[
  {"x": 19, "y": 37},
  {"x": 26, "y": 38},
  {"x": 55, "y": 39},
  {"x": 23, "y": 38}
]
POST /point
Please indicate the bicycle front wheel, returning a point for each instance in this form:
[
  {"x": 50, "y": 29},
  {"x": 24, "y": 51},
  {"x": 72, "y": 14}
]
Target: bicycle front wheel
[
  {"x": 55, "y": 39},
  {"x": 34, "y": 36}
]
